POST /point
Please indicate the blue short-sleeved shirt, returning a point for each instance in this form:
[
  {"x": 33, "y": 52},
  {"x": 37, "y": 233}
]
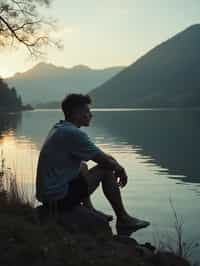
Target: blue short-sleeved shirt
[{"x": 60, "y": 159}]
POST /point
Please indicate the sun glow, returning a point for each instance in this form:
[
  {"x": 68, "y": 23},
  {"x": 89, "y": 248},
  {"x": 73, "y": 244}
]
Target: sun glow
[{"x": 6, "y": 73}]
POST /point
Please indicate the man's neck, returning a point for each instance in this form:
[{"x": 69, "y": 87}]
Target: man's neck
[{"x": 73, "y": 122}]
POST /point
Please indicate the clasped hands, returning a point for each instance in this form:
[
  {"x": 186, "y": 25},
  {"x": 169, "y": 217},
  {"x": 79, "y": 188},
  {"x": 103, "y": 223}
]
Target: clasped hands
[{"x": 121, "y": 176}]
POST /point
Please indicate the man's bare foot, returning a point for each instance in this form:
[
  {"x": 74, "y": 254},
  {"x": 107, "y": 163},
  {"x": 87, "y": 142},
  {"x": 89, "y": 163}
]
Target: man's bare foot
[{"x": 128, "y": 225}]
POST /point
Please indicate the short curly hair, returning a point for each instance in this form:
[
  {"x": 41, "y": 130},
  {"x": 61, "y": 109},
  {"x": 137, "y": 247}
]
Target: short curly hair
[{"x": 74, "y": 101}]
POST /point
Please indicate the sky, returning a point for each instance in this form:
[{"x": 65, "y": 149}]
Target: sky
[{"x": 104, "y": 33}]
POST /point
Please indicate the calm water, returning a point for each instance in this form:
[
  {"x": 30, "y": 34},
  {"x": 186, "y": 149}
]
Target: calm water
[{"x": 159, "y": 148}]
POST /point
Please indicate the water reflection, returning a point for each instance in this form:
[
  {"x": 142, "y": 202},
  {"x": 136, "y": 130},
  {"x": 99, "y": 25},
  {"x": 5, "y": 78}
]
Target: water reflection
[
  {"x": 20, "y": 152},
  {"x": 9, "y": 123},
  {"x": 168, "y": 138}
]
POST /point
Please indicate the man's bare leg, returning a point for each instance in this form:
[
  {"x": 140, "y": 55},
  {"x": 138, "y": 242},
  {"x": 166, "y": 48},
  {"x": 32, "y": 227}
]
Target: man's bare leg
[
  {"x": 110, "y": 187},
  {"x": 112, "y": 192},
  {"x": 87, "y": 201}
]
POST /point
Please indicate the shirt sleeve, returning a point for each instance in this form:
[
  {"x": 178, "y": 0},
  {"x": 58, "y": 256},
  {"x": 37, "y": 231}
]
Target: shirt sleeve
[{"x": 82, "y": 147}]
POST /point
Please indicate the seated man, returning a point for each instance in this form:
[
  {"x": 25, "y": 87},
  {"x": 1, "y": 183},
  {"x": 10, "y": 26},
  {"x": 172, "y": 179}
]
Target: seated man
[{"x": 62, "y": 177}]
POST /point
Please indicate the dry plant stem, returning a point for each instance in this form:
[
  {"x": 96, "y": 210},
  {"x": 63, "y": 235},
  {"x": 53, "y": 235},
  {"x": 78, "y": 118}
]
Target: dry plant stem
[
  {"x": 10, "y": 190},
  {"x": 183, "y": 248},
  {"x": 178, "y": 225}
]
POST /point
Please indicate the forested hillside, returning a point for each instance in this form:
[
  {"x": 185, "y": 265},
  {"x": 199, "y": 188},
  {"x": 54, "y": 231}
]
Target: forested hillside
[{"x": 9, "y": 100}]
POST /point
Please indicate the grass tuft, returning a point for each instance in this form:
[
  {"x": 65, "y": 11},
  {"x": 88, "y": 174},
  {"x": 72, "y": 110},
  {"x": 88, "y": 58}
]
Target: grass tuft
[{"x": 175, "y": 241}]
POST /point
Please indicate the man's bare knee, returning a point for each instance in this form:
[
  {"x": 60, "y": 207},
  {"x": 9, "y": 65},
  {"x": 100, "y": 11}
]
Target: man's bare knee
[
  {"x": 107, "y": 173},
  {"x": 95, "y": 176}
]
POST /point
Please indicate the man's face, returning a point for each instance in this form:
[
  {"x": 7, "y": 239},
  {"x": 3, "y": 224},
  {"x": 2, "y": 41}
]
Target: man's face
[{"x": 84, "y": 116}]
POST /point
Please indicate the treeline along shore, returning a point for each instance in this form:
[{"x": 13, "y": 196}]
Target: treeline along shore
[{"x": 10, "y": 101}]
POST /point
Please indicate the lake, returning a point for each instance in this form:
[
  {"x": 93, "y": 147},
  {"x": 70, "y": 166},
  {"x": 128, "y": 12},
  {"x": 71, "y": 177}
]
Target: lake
[{"x": 159, "y": 148}]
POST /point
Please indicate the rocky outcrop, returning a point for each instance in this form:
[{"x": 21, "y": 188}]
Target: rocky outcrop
[
  {"x": 95, "y": 236},
  {"x": 79, "y": 220}
]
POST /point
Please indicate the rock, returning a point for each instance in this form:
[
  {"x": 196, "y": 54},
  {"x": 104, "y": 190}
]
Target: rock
[
  {"x": 78, "y": 220},
  {"x": 168, "y": 259},
  {"x": 149, "y": 246},
  {"x": 93, "y": 233},
  {"x": 81, "y": 219},
  {"x": 126, "y": 240}
]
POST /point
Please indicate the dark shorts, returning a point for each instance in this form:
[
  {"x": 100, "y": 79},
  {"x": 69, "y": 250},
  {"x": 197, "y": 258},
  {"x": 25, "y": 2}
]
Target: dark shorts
[{"x": 78, "y": 191}]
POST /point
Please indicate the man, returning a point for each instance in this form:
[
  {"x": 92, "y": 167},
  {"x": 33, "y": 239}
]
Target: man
[{"x": 61, "y": 176}]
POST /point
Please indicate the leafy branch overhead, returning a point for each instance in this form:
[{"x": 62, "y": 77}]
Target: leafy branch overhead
[{"x": 21, "y": 23}]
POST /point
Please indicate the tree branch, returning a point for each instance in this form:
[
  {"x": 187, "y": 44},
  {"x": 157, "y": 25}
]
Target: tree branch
[{"x": 21, "y": 22}]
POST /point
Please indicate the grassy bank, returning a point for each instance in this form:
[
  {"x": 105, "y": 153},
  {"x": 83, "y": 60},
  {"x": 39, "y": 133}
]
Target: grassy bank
[{"x": 24, "y": 240}]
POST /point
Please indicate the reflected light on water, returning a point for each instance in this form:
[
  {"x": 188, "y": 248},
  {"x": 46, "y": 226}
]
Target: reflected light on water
[{"x": 20, "y": 155}]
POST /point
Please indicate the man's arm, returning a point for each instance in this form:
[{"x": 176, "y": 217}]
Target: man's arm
[
  {"x": 86, "y": 150},
  {"x": 107, "y": 161}
]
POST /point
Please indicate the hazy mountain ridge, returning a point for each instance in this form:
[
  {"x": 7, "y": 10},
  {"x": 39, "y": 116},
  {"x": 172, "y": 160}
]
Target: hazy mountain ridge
[
  {"x": 167, "y": 76},
  {"x": 48, "y": 83}
]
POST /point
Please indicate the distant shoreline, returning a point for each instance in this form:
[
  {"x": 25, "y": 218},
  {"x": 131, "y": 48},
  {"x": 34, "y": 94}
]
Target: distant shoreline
[
  {"x": 23, "y": 108},
  {"x": 127, "y": 109}
]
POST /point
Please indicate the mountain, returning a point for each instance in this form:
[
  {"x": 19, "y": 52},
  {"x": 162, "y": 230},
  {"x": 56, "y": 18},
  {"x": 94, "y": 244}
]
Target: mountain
[
  {"x": 49, "y": 83},
  {"x": 167, "y": 76}
]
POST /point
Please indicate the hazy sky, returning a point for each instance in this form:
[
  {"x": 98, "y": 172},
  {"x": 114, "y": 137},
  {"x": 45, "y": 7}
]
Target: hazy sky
[{"x": 103, "y": 33}]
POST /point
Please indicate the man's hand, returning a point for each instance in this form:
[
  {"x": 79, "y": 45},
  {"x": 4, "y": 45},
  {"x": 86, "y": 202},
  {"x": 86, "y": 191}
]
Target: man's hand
[
  {"x": 121, "y": 177},
  {"x": 107, "y": 161}
]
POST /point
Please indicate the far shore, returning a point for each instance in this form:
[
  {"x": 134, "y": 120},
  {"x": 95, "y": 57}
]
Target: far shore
[
  {"x": 26, "y": 107},
  {"x": 124, "y": 109}
]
